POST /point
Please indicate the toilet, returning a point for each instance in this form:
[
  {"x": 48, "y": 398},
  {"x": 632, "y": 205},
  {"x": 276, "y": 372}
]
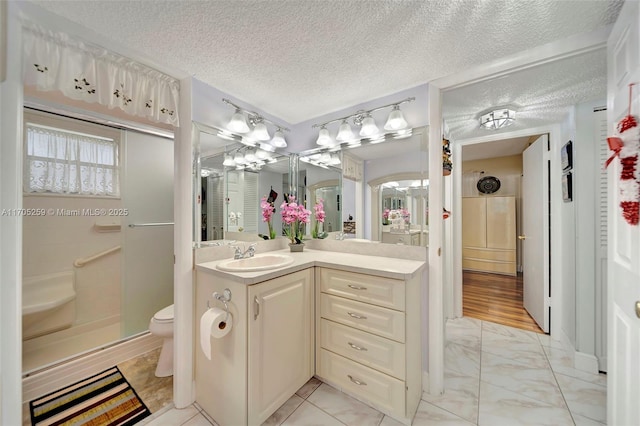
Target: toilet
[{"x": 161, "y": 325}]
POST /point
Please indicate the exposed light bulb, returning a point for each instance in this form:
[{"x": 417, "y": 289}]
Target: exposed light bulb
[
  {"x": 238, "y": 122},
  {"x": 396, "y": 120},
  {"x": 323, "y": 137},
  {"x": 369, "y": 127}
]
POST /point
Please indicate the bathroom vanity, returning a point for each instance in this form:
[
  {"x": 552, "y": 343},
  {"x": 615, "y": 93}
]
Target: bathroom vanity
[{"x": 352, "y": 320}]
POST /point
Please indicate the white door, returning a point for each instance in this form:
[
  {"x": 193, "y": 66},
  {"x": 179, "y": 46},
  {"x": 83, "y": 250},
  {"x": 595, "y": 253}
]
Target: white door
[
  {"x": 535, "y": 225},
  {"x": 623, "y": 265}
]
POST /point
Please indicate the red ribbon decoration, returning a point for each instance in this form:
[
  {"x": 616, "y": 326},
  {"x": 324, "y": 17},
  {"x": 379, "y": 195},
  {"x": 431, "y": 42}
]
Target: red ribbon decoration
[{"x": 615, "y": 145}]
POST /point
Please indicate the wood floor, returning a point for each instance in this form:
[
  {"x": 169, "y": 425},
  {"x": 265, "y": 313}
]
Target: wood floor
[{"x": 495, "y": 298}]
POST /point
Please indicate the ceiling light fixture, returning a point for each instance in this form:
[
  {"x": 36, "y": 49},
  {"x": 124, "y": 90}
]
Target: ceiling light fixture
[
  {"x": 368, "y": 128},
  {"x": 238, "y": 124},
  {"x": 497, "y": 119}
]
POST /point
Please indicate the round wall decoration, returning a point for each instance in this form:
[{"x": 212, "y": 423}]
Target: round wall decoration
[{"x": 488, "y": 184}]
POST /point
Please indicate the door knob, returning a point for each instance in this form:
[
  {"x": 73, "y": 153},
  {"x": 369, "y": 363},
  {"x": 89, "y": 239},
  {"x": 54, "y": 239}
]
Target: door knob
[
  {"x": 638, "y": 309},
  {"x": 522, "y": 237}
]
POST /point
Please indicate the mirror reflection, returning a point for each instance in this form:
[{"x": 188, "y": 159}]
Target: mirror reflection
[
  {"x": 404, "y": 214},
  {"x": 321, "y": 185},
  {"x": 231, "y": 180},
  {"x": 391, "y": 177}
]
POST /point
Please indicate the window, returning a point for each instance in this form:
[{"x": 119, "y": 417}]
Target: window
[{"x": 61, "y": 161}]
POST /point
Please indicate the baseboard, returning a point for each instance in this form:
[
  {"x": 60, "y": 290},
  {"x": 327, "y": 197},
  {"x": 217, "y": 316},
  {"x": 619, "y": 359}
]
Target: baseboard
[
  {"x": 585, "y": 362},
  {"x": 581, "y": 361},
  {"x": 50, "y": 379},
  {"x": 425, "y": 384}
]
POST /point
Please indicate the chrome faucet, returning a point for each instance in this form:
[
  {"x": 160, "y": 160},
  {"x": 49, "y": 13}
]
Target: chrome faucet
[{"x": 240, "y": 254}]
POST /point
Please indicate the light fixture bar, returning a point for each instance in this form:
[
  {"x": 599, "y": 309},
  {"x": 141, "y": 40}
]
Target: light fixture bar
[
  {"x": 254, "y": 117},
  {"x": 364, "y": 112}
]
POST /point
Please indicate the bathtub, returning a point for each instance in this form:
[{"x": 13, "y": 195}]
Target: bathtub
[{"x": 48, "y": 303}]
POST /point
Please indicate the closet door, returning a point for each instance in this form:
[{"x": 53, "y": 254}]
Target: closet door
[
  {"x": 501, "y": 223},
  {"x": 474, "y": 222}
]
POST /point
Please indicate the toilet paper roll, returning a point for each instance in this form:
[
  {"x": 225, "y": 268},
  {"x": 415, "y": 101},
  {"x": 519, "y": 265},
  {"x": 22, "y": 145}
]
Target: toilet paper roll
[{"x": 213, "y": 324}]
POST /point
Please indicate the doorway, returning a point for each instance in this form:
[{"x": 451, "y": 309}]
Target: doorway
[{"x": 492, "y": 229}]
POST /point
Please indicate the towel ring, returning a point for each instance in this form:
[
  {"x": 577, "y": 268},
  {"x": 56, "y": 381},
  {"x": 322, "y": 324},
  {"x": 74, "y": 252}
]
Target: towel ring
[{"x": 225, "y": 297}]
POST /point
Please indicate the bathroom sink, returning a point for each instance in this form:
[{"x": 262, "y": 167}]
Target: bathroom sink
[{"x": 259, "y": 262}]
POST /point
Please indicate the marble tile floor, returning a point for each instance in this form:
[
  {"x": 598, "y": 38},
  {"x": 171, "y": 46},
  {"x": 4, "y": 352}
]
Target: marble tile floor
[{"x": 494, "y": 375}]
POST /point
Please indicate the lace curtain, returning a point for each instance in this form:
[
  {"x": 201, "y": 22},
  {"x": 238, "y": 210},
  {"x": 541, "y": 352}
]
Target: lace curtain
[
  {"x": 70, "y": 163},
  {"x": 54, "y": 61}
]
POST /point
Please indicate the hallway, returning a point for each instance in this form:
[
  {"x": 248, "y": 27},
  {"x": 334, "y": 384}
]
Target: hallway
[
  {"x": 496, "y": 298},
  {"x": 498, "y": 375}
]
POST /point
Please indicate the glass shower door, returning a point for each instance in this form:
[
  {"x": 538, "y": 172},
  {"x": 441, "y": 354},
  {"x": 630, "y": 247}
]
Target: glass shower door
[{"x": 147, "y": 273}]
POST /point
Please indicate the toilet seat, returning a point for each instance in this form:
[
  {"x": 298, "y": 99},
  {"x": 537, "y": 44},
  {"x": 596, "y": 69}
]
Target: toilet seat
[{"x": 164, "y": 315}]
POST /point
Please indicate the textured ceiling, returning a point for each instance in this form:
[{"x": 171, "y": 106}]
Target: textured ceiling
[{"x": 302, "y": 59}]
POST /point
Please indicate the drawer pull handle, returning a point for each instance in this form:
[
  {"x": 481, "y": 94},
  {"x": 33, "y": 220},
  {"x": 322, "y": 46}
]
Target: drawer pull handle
[
  {"x": 356, "y": 316},
  {"x": 356, "y": 381},
  {"x": 356, "y": 287},
  {"x": 356, "y": 347}
]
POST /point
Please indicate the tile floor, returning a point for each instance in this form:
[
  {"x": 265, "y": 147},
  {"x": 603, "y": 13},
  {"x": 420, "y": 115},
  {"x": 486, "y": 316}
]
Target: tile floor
[{"x": 494, "y": 375}]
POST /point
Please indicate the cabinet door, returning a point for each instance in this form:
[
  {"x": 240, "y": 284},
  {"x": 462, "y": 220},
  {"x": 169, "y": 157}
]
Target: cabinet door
[
  {"x": 501, "y": 223},
  {"x": 474, "y": 222},
  {"x": 280, "y": 341}
]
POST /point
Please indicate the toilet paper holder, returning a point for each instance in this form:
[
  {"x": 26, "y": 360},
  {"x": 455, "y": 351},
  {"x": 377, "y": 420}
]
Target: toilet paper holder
[{"x": 225, "y": 297}]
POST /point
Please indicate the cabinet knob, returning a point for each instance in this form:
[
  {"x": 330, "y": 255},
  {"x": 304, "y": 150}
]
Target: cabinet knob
[
  {"x": 522, "y": 237},
  {"x": 638, "y": 309}
]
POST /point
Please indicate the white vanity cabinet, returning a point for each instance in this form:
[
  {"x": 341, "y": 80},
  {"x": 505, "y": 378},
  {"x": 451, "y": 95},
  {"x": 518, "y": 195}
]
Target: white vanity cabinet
[
  {"x": 267, "y": 356},
  {"x": 368, "y": 339}
]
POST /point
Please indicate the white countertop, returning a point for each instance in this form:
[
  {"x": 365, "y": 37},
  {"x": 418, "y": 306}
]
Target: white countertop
[{"x": 400, "y": 269}]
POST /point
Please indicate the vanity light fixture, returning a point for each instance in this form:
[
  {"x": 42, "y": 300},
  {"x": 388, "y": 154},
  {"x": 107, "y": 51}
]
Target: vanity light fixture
[
  {"x": 324, "y": 138},
  {"x": 345, "y": 134},
  {"x": 260, "y": 131},
  {"x": 239, "y": 124},
  {"x": 396, "y": 120},
  {"x": 497, "y": 119},
  {"x": 228, "y": 161},
  {"x": 238, "y": 158},
  {"x": 368, "y": 127},
  {"x": 278, "y": 140},
  {"x": 250, "y": 156}
]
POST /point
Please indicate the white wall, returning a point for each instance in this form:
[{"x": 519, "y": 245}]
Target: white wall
[
  {"x": 564, "y": 236},
  {"x": 53, "y": 242},
  {"x": 586, "y": 184}
]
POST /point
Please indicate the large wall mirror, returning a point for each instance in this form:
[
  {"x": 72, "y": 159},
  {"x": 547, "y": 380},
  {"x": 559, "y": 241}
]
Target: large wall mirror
[
  {"x": 231, "y": 176},
  {"x": 385, "y": 189},
  {"x": 320, "y": 182}
]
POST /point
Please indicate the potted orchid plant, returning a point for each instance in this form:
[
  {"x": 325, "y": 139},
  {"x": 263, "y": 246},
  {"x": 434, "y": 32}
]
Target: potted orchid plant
[
  {"x": 385, "y": 216},
  {"x": 294, "y": 219},
  {"x": 318, "y": 212},
  {"x": 267, "y": 214}
]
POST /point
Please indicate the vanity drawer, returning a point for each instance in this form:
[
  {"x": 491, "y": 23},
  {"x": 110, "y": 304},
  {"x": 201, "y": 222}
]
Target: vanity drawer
[
  {"x": 374, "y": 319},
  {"x": 376, "y": 352},
  {"x": 365, "y": 288},
  {"x": 379, "y": 389}
]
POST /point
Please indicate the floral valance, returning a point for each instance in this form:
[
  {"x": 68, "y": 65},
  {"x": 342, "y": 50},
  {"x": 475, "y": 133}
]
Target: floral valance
[{"x": 81, "y": 71}]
